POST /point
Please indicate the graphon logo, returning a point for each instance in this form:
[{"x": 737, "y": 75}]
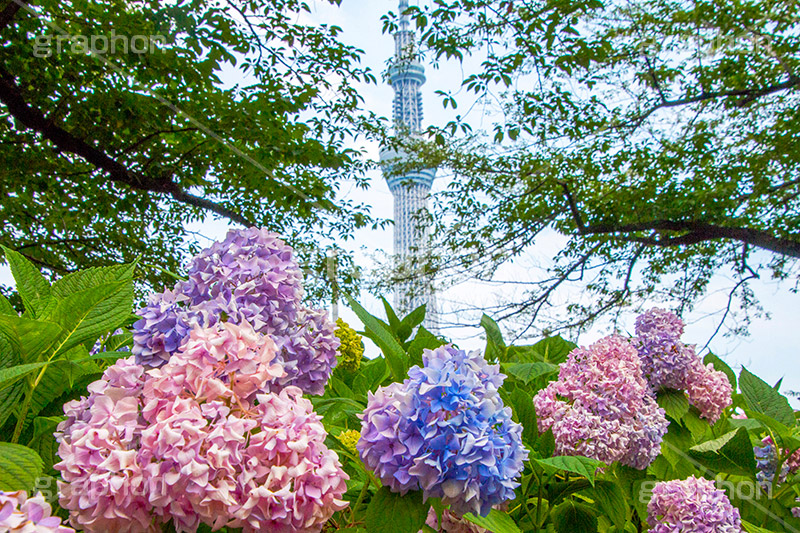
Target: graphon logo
[
  {"x": 744, "y": 490},
  {"x": 47, "y": 45}
]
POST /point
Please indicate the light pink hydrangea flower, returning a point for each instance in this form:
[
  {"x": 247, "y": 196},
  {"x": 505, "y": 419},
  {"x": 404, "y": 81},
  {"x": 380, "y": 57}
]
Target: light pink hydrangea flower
[
  {"x": 20, "y": 514},
  {"x": 199, "y": 440},
  {"x": 602, "y": 407}
]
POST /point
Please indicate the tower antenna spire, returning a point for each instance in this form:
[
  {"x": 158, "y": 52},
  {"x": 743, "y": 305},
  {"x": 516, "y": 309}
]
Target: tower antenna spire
[{"x": 410, "y": 189}]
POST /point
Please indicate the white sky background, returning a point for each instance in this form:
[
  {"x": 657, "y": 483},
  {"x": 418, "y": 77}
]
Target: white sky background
[{"x": 771, "y": 351}]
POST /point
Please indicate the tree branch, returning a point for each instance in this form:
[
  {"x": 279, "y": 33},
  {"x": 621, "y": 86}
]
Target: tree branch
[
  {"x": 34, "y": 119},
  {"x": 9, "y": 12}
]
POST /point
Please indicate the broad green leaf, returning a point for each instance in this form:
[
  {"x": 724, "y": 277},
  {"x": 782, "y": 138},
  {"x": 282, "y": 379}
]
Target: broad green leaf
[
  {"x": 92, "y": 278},
  {"x": 762, "y": 398},
  {"x": 340, "y": 388},
  {"x": 731, "y": 453},
  {"x": 573, "y": 517},
  {"x": 522, "y": 405},
  {"x": 496, "y": 522},
  {"x": 752, "y": 528},
  {"x": 30, "y": 338},
  {"x": 576, "y": 464},
  {"x": 6, "y": 308},
  {"x": 423, "y": 340},
  {"x": 673, "y": 402},
  {"x": 410, "y": 321},
  {"x": 375, "y": 371},
  {"x": 610, "y": 498},
  {"x": 43, "y": 441},
  {"x": 527, "y": 372},
  {"x": 9, "y": 396},
  {"x": 495, "y": 345},
  {"x": 9, "y": 376},
  {"x": 396, "y": 357},
  {"x": 19, "y": 467},
  {"x": 88, "y": 314},
  {"x": 58, "y": 379},
  {"x": 780, "y": 431},
  {"x": 554, "y": 349},
  {"x": 391, "y": 316},
  {"x": 722, "y": 366},
  {"x": 32, "y": 287},
  {"x": 388, "y": 512}
]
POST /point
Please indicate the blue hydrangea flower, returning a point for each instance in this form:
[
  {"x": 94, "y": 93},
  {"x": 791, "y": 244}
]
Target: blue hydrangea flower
[
  {"x": 164, "y": 325},
  {"x": 445, "y": 430}
]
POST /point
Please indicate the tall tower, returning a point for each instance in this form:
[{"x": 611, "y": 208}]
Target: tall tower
[{"x": 410, "y": 189}]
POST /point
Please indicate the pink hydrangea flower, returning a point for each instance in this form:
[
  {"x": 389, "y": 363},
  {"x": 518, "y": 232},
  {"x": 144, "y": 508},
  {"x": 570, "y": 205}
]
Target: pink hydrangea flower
[
  {"x": 20, "y": 514},
  {"x": 692, "y": 504},
  {"x": 601, "y": 406},
  {"x": 200, "y": 440}
]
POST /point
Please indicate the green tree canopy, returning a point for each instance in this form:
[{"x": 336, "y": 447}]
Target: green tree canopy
[
  {"x": 659, "y": 137},
  {"x": 123, "y": 121}
]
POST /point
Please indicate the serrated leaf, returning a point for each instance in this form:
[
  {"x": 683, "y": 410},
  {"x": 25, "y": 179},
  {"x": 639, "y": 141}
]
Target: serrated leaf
[
  {"x": 32, "y": 287},
  {"x": 43, "y": 441},
  {"x": 88, "y": 314},
  {"x": 496, "y": 522},
  {"x": 674, "y": 403},
  {"x": 9, "y": 396},
  {"x": 573, "y": 517},
  {"x": 554, "y": 349},
  {"x": 762, "y": 398},
  {"x": 731, "y": 453},
  {"x": 9, "y": 376},
  {"x": 495, "y": 345},
  {"x": 29, "y": 338},
  {"x": 91, "y": 278},
  {"x": 722, "y": 366},
  {"x": 396, "y": 357},
  {"x": 577, "y": 464},
  {"x": 19, "y": 467},
  {"x": 388, "y": 512},
  {"x": 527, "y": 372},
  {"x": 6, "y": 308},
  {"x": 611, "y": 499}
]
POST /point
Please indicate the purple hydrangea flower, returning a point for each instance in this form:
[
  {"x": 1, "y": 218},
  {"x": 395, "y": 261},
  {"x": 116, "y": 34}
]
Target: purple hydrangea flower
[
  {"x": 445, "y": 430},
  {"x": 251, "y": 276},
  {"x": 693, "y": 504},
  {"x": 668, "y": 362},
  {"x": 601, "y": 406}
]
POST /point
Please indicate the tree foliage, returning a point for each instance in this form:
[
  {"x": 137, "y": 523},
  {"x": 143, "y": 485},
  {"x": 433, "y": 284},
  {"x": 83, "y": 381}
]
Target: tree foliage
[
  {"x": 238, "y": 110},
  {"x": 660, "y": 138}
]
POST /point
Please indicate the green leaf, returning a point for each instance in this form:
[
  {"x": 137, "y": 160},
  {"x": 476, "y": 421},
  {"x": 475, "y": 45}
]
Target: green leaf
[
  {"x": 674, "y": 402},
  {"x": 752, "y": 528},
  {"x": 554, "y": 349},
  {"x": 762, "y": 398},
  {"x": 32, "y": 287},
  {"x": 396, "y": 357},
  {"x": 527, "y": 372},
  {"x": 576, "y": 464},
  {"x": 610, "y": 498},
  {"x": 495, "y": 345},
  {"x": 410, "y": 321},
  {"x": 423, "y": 340},
  {"x": 722, "y": 366},
  {"x": 388, "y": 512},
  {"x": 731, "y": 453},
  {"x": 92, "y": 278},
  {"x": 522, "y": 405},
  {"x": 9, "y": 396},
  {"x": 496, "y": 522},
  {"x": 19, "y": 467},
  {"x": 90, "y": 313},
  {"x": 6, "y": 308},
  {"x": 43, "y": 441},
  {"x": 30, "y": 338},
  {"x": 9, "y": 376},
  {"x": 573, "y": 517},
  {"x": 391, "y": 316}
]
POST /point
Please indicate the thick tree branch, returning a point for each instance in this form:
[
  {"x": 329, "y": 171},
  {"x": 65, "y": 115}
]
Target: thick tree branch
[{"x": 34, "y": 119}]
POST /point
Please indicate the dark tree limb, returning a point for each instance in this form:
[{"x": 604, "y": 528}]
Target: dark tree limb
[
  {"x": 9, "y": 12},
  {"x": 35, "y": 120}
]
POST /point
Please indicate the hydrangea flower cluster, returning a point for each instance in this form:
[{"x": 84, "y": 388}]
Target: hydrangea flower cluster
[
  {"x": 351, "y": 349},
  {"x": 692, "y": 504},
  {"x": 198, "y": 440},
  {"x": 18, "y": 513},
  {"x": 767, "y": 464},
  {"x": 445, "y": 430},
  {"x": 669, "y": 363},
  {"x": 451, "y": 523},
  {"x": 601, "y": 406},
  {"x": 250, "y": 276}
]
